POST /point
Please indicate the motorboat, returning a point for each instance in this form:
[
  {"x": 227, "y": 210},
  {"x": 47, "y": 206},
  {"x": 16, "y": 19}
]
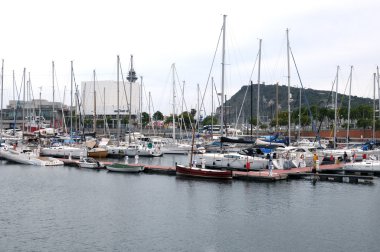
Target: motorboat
[
  {"x": 89, "y": 162},
  {"x": 23, "y": 155}
]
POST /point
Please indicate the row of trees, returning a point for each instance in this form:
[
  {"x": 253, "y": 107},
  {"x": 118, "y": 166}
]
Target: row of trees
[{"x": 361, "y": 116}]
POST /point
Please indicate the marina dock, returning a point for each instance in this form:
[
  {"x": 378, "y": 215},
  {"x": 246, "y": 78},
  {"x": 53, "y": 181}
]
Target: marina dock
[{"x": 331, "y": 172}]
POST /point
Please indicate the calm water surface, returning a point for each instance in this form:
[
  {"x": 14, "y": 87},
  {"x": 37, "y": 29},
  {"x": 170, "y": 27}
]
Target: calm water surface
[{"x": 72, "y": 209}]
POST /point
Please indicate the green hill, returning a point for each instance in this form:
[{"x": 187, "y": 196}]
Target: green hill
[{"x": 267, "y": 104}]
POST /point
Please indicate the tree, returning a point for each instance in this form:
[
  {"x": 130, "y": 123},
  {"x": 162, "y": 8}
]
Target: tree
[
  {"x": 188, "y": 118},
  {"x": 169, "y": 119},
  {"x": 158, "y": 116},
  {"x": 209, "y": 120},
  {"x": 283, "y": 118},
  {"x": 145, "y": 118},
  {"x": 192, "y": 112},
  {"x": 253, "y": 121}
]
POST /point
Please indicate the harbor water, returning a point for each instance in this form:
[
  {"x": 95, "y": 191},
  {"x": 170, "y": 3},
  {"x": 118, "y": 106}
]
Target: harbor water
[{"x": 73, "y": 209}]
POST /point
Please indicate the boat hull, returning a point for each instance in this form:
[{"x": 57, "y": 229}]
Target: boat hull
[
  {"x": 129, "y": 168},
  {"x": 203, "y": 173}
]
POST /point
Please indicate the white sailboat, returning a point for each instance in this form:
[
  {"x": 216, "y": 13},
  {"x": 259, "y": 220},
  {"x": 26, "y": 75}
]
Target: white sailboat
[{"x": 23, "y": 155}]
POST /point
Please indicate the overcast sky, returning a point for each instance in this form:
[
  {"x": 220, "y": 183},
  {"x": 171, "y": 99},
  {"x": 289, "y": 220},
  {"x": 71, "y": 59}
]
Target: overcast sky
[{"x": 323, "y": 34}]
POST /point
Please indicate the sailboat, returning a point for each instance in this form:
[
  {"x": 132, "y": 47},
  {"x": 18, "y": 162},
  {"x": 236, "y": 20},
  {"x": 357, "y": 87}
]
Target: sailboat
[
  {"x": 174, "y": 147},
  {"x": 192, "y": 170}
]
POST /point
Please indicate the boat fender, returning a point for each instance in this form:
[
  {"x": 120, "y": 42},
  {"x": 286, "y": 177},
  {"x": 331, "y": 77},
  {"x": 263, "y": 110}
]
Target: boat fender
[
  {"x": 213, "y": 163},
  {"x": 302, "y": 156},
  {"x": 228, "y": 165}
]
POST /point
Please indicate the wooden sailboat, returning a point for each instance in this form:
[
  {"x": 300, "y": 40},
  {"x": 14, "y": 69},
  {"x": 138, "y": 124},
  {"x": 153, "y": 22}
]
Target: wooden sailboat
[{"x": 193, "y": 171}]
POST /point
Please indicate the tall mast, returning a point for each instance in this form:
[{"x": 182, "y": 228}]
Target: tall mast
[
  {"x": 251, "y": 109},
  {"x": 349, "y": 108},
  {"x": 118, "y": 104},
  {"x": 16, "y": 105},
  {"x": 288, "y": 57},
  {"x": 23, "y": 106},
  {"x": 374, "y": 107},
  {"x": 94, "y": 119},
  {"x": 378, "y": 87},
  {"x": 182, "y": 101},
  {"x": 104, "y": 111},
  {"x": 223, "y": 58},
  {"x": 336, "y": 106},
  {"x": 212, "y": 107},
  {"x": 2, "y": 96},
  {"x": 173, "y": 119},
  {"x": 140, "y": 104},
  {"x": 28, "y": 113},
  {"x": 53, "y": 117},
  {"x": 276, "y": 106},
  {"x": 198, "y": 108},
  {"x": 71, "y": 100},
  {"x": 258, "y": 92},
  {"x": 39, "y": 109},
  {"x": 299, "y": 115},
  {"x": 149, "y": 118}
]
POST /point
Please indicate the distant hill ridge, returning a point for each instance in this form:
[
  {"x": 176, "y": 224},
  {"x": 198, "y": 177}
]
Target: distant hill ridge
[{"x": 268, "y": 100}]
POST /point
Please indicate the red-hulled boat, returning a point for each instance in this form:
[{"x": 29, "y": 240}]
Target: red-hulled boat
[{"x": 202, "y": 173}]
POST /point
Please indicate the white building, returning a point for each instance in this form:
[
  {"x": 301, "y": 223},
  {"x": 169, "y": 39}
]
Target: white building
[{"x": 106, "y": 97}]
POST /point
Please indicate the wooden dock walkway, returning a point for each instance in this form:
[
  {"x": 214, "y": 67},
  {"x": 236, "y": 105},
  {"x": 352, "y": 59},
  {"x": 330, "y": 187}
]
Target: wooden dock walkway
[{"x": 325, "y": 173}]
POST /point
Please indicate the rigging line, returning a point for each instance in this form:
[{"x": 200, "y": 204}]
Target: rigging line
[
  {"x": 102, "y": 98},
  {"x": 246, "y": 91},
  {"x": 79, "y": 103},
  {"x": 304, "y": 93},
  {"x": 184, "y": 101},
  {"x": 180, "y": 120},
  {"x": 212, "y": 65},
  {"x": 326, "y": 105},
  {"x": 342, "y": 97},
  {"x": 124, "y": 87}
]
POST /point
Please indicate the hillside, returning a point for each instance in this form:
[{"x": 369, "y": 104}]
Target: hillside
[{"x": 268, "y": 100}]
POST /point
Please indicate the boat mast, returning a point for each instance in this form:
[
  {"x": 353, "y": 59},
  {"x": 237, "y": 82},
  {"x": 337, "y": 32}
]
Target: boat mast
[
  {"x": 23, "y": 106},
  {"x": 53, "y": 117},
  {"x": 71, "y": 100},
  {"x": 198, "y": 108},
  {"x": 118, "y": 104},
  {"x": 349, "y": 109},
  {"x": 16, "y": 104},
  {"x": 140, "y": 104},
  {"x": 212, "y": 107},
  {"x": 336, "y": 106},
  {"x": 258, "y": 92},
  {"x": 2, "y": 96},
  {"x": 374, "y": 107},
  {"x": 94, "y": 119},
  {"x": 173, "y": 119},
  {"x": 299, "y": 115},
  {"x": 182, "y": 120},
  {"x": 276, "y": 106},
  {"x": 223, "y": 58},
  {"x": 288, "y": 57},
  {"x": 104, "y": 111}
]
